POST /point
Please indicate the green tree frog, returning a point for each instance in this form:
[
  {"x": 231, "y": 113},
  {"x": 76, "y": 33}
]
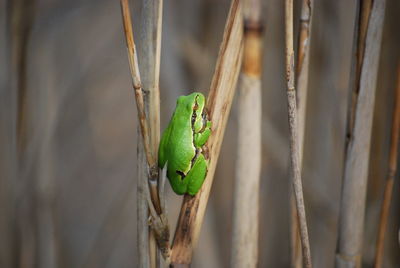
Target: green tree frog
[{"x": 181, "y": 145}]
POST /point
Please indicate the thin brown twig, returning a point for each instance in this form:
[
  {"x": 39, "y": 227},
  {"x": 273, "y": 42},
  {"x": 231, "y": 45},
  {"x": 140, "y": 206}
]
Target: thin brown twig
[
  {"x": 394, "y": 145},
  {"x": 218, "y": 105},
  {"x": 302, "y": 89},
  {"x": 294, "y": 141}
]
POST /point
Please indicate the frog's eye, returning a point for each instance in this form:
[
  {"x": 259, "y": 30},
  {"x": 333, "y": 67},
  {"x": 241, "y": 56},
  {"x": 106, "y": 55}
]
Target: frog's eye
[
  {"x": 204, "y": 121},
  {"x": 196, "y": 104},
  {"x": 194, "y": 115}
]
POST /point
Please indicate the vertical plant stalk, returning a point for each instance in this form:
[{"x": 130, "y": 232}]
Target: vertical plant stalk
[
  {"x": 149, "y": 62},
  {"x": 352, "y": 207},
  {"x": 363, "y": 11},
  {"x": 218, "y": 105},
  {"x": 294, "y": 138},
  {"x": 248, "y": 163},
  {"x": 147, "y": 190},
  {"x": 136, "y": 82},
  {"x": 394, "y": 146},
  {"x": 20, "y": 18},
  {"x": 302, "y": 69},
  {"x": 149, "y": 48},
  {"x": 20, "y": 22}
]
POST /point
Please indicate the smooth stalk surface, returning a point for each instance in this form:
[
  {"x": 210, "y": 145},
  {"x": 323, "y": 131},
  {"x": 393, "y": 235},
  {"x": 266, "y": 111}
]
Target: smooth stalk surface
[
  {"x": 248, "y": 162},
  {"x": 354, "y": 188}
]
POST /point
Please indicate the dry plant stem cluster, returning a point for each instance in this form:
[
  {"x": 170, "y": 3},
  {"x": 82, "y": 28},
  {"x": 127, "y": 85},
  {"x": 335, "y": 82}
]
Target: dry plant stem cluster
[
  {"x": 301, "y": 89},
  {"x": 149, "y": 63},
  {"x": 394, "y": 145},
  {"x": 352, "y": 208},
  {"x": 248, "y": 162},
  {"x": 158, "y": 222},
  {"x": 218, "y": 104},
  {"x": 294, "y": 139}
]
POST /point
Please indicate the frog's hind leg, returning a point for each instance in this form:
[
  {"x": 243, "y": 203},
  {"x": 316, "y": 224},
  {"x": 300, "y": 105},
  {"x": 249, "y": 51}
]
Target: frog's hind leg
[{"x": 196, "y": 175}]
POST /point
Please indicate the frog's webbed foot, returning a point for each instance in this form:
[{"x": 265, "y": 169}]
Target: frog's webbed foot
[{"x": 201, "y": 137}]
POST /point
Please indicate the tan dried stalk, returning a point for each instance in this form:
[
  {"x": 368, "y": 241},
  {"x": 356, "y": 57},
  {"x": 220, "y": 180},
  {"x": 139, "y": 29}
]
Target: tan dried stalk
[
  {"x": 137, "y": 85},
  {"x": 149, "y": 63},
  {"x": 248, "y": 164},
  {"x": 218, "y": 104},
  {"x": 302, "y": 89},
  {"x": 394, "y": 145},
  {"x": 294, "y": 138},
  {"x": 352, "y": 207},
  {"x": 360, "y": 32},
  {"x": 147, "y": 190}
]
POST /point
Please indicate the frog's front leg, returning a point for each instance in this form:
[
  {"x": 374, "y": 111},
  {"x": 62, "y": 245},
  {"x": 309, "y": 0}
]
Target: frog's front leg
[
  {"x": 196, "y": 175},
  {"x": 201, "y": 138}
]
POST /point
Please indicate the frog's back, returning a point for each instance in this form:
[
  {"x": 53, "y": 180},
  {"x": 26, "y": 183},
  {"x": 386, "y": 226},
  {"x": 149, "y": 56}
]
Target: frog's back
[{"x": 181, "y": 146}]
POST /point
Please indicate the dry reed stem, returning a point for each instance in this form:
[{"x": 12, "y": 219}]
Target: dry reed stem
[
  {"x": 149, "y": 56},
  {"x": 143, "y": 238},
  {"x": 145, "y": 257},
  {"x": 301, "y": 87},
  {"x": 294, "y": 138},
  {"x": 394, "y": 145},
  {"x": 149, "y": 62},
  {"x": 352, "y": 207},
  {"x": 147, "y": 190},
  {"x": 218, "y": 104},
  {"x": 360, "y": 31},
  {"x": 137, "y": 85},
  {"x": 248, "y": 164}
]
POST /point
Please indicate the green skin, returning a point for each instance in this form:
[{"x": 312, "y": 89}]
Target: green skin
[{"x": 181, "y": 142}]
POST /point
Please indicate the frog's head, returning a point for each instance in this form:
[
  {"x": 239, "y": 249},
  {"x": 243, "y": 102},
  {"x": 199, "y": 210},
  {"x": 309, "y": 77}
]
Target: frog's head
[
  {"x": 199, "y": 114},
  {"x": 195, "y": 103}
]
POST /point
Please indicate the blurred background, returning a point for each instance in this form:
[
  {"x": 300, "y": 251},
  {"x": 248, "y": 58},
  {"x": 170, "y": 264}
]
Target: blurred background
[{"x": 68, "y": 171}]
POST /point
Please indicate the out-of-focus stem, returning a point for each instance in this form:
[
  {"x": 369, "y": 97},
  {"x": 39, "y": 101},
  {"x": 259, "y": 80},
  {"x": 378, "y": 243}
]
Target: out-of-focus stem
[
  {"x": 394, "y": 146},
  {"x": 354, "y": 189},
  {"x": 248, "y": 163}
]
